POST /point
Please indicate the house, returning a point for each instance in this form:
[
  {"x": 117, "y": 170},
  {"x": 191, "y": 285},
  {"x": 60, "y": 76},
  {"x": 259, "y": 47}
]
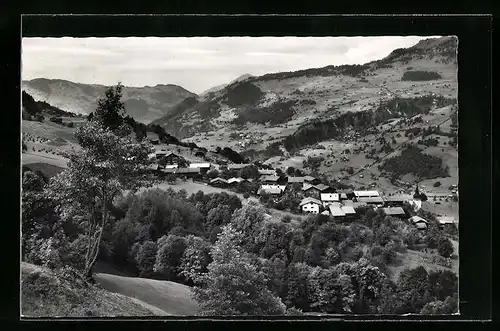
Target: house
[
  {"x": 310, "y": 205},
  {"x": 188, "y": 172},
  {"x": 395, "y": 211},
  {"x": 293, "y": 180},
  {"x": 311, "y": 190},
  {"x": 446, "y": 221},
  {"x": 328, "y": 198},
  {"x": 267, "y": 172},
  {"x": 219, "y": 182},
  {"x": 168, "y": 157},
  {"x": 269, "y": 179},
  {"x": 238, "y": 166},
  {"x": 270, "y": 189},
  {"x": 204, "y": 167},
  {"x": 235, "y": 180},
  {"x": 419, "y": 222}
]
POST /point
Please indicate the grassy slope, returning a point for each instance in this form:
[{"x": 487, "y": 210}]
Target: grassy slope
[
  {"x": 48, "y": 296},
  {"x": 170, "y": 297}
]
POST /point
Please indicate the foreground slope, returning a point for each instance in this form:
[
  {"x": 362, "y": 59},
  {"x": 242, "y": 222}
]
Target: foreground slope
[
  {"x": 173, "y": 298},
  {"x": 44, "y": 294},
  {"x": 143, "y": 103}
]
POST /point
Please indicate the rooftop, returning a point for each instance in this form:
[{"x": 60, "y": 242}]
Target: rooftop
[
  {"x": 310, "y": 200},
  {"x": 394, "y": 211}
]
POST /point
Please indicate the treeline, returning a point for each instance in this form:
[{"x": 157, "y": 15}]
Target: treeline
[
  {"x": 347, "y": 70},
  {"x": 243, "y": 94},
  {"x": 277, "y": 113},
  {"x": 420, "y": 75},
  {"x": 413, "y": 161}
]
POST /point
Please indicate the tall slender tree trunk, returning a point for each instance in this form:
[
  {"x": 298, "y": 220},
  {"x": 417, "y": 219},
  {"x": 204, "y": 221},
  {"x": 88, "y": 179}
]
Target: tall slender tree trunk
[{"x": 95, "y": 242}]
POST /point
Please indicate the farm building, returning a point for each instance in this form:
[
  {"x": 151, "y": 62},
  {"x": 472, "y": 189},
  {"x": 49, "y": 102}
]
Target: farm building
[
  {"x": 168, "y": 157},
  {"x": 238, "y": 166},
  {"x": 188, "y": 172},
  {"x": 328, "y": 198},
  {"x": 171, "y": 166},
  {"x": 395, "y": 211},
  {"x": 395, "y": 201},
  {"x": 377, "y": 201},
  {"x": 310, "y": 205},
  {"x": 219, "y": 182},
  {"x": 323, "y": 187},
  {"x": 366, "y": 194},
  {"x": 269, "y": 179},
  {"x": 419, "y": 222},
  {"x": 292, "y": 180},
  {"x": 311, "y": 180},
  {"x": 336, "y": 211}
]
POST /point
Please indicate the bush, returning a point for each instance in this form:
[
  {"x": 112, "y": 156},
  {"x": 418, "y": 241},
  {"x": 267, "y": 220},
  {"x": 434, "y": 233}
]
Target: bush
[
  {"x": 246, "y": 195},
  {"x": 437, "y": 184},
  {"x": 445, "y": 247}
]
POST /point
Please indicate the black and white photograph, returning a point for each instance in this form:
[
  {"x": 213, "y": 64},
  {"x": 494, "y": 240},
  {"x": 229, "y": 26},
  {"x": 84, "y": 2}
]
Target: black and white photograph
[{"x": 239, "y": 176}]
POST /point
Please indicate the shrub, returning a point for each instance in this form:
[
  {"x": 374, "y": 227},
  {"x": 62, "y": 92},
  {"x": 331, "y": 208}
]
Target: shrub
[
  {"x": 437, "y": 184},
  {"x": 246, "y": 195},
  {"x": 445, "y": 247}
]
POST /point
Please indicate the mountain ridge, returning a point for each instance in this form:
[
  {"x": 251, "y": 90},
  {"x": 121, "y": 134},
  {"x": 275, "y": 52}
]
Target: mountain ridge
[{"x": 143, "y": 103}]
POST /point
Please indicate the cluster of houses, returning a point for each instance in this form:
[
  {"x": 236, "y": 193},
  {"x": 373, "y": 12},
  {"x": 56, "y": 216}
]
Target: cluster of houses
[{"x": 318, "y": 197}]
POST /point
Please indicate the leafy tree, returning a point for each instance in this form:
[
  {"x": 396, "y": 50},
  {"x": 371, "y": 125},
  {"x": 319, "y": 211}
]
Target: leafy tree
[
  {"x": 250, "y": 171},
  {"x": 218, "y": 216},
  {"x": 413, "y": 289},
  {"x": 168, "y": 259},
  {"x": 290, "y": 171},
  {"x": 233, "y": 285},
  {"x": 146, "y": 257},
  {"x": 110, "y": 109},
  {"x": 442, "y": 283},
  {"x": 445, "y": 247},
  {"x": 297, "y": 286},
  {"x": 214, "y": 173},
  {"x": 196, "y": 257},
  {"x": 107, "y": 164}
]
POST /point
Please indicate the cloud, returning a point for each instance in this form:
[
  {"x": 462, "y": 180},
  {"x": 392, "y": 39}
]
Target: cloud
[{"x": 195, "y": 63}]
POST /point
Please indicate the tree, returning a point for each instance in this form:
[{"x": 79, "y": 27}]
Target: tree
[
  {"x": 290, "y": 171},
  {"x": 445, "y": 247},
  {"x": 250, "y": 171},
  {"x": 168, "y": 259},
  {"x": 297, "y": 288},
  {"x": 107, "y": 164},
  {"x": 110, "y": 109},
  {"x": 442, "y": 284},
  {"x": 233, "y": 284},
  {"x": 214, "y": 173},
  {"x": 437, "y": 184},
  {"x": 146, "y": 257},
  {"x": 196, "y": 257}
]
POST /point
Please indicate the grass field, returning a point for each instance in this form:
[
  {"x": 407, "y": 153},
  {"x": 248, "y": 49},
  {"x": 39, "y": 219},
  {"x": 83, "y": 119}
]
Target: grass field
[
  {"x": 39, "y": 157},
  {"x": 171, "y": 298},
  {"x": 45, "y": 295},
  {"x": 413, "y": 259}
]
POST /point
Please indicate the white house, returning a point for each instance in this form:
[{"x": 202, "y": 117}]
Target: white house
[
  {"x": 328, "y": 198},
  {"x": 310, "y": 205}
]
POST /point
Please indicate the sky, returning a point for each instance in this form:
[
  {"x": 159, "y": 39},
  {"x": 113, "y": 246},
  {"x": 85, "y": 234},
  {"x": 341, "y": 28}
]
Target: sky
[{"x": 195, "y": 63}]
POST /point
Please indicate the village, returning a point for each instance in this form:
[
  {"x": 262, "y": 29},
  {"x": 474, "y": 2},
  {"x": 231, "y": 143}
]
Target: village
[{"x": 310, "y": 194}]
